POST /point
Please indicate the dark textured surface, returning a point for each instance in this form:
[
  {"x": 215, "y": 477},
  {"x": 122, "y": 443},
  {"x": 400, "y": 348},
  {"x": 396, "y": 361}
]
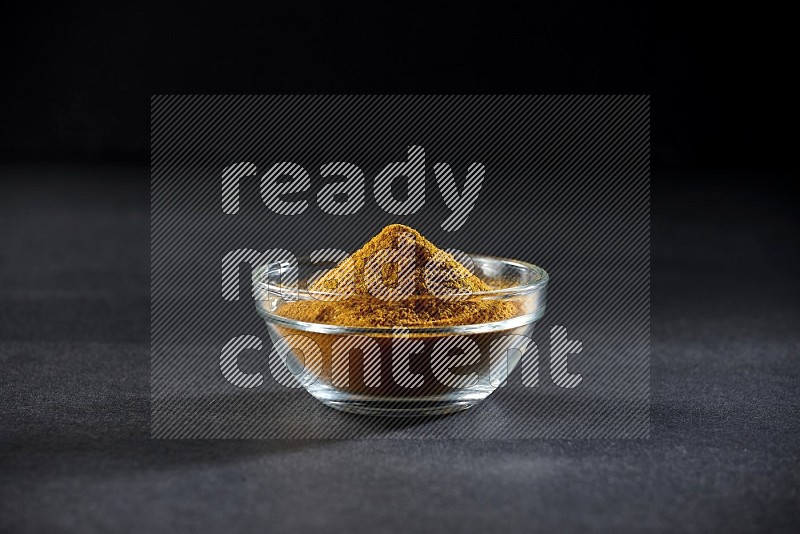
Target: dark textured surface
[{"x": 74, "y": 345}]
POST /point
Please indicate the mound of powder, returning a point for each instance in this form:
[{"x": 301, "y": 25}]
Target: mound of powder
[{"x": 397, "y": 279}]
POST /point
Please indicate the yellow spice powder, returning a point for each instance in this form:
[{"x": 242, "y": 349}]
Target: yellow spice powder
[{"x": 438, "y": 295}]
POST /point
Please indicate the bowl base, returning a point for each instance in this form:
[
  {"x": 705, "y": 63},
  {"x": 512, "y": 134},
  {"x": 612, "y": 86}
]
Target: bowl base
[{"x": 400, "y": 408}]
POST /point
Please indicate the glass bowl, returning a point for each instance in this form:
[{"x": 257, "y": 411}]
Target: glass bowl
[{"x": 401, "y": 370}]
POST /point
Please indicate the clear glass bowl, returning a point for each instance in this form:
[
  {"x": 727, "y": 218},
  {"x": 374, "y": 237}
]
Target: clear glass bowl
[{"x": 402, "y": 371}]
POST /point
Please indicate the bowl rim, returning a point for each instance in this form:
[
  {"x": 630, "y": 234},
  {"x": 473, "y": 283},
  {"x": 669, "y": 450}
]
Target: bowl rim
[{"x": 475, "y": 328}]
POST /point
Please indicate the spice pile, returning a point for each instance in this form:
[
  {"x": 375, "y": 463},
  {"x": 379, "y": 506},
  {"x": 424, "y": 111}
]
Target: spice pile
[{"x": 432, "y": 289}]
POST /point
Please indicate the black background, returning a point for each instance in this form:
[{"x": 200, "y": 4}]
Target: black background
[
  {"x": 78, "y": 79},
  {"x": 74, "y": 426}
]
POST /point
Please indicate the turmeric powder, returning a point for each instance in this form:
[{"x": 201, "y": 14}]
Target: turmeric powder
[{"x": 398, "y": 279}]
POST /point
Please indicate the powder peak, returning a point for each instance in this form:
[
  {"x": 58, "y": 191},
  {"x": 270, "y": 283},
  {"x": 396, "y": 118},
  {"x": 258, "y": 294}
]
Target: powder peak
[
  {"x": 399, "y": 278},
  {"x": 395, "y": 256}
]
